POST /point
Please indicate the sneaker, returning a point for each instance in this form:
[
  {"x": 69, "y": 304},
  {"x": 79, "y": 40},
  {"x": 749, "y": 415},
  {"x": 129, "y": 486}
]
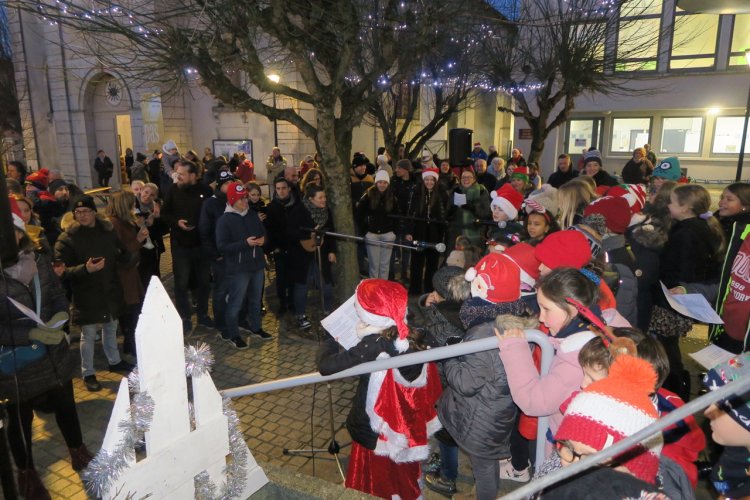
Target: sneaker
[
  {"x": 303, "y": 323},
  {"x": 507, "y": 471},
  {"x": 91, "y": 383},
  {"x": 261, "y": 334},
  {"x": 122, "y": 367},
  {"x": 206, "y": 321},
  {"x": 238, "y": 343},
  {"x": 432, "y": 465},
  {"x": 445, "y": 487}
]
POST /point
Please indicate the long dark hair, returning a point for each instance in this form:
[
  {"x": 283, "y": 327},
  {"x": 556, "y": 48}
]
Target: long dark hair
[
  {"x": 566, "y": 283},
  {"x": 375, "y": 198}
]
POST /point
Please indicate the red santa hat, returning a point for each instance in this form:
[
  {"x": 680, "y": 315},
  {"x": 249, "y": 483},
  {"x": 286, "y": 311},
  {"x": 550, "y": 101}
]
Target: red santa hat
[
  {"x": 500, "y": 277},
  {"x": 508, "y": 199},
  {"x": 16, "y": 212},
  {"x": 564, "y": 248},
  {"x": 522, "y": 254},
  {"x": 430, "y": 172},
  {"x": 614, "y": 209},
  {"x": 382, "y": 304},
  {"x": 611, "y": 409}
]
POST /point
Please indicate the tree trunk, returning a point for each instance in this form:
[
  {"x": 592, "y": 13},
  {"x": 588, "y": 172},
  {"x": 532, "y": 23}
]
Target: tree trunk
[{"x": 338, "y": 189}]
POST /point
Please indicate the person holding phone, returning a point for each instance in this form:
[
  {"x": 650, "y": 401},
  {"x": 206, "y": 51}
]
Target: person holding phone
[
  {"x": 90, "y": 251},
  {"x": 240, "y": 236},
  {"x": 181, "y": 211}
]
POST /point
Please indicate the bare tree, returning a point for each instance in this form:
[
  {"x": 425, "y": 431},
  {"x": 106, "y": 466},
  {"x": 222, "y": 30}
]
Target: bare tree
[
  {"x": 338, "y": 48},
  {"x": 445, "y": 83},
  {"x": 555, "y": 51}
]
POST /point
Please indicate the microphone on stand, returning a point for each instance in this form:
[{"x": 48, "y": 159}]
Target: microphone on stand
[
  {"x": 480, "y": 222},
  {"x": 439, "y": 247}
]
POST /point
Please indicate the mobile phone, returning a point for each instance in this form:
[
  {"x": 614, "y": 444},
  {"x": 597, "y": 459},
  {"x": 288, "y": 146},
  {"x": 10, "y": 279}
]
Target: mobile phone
[{"x": 97, "y": 260}]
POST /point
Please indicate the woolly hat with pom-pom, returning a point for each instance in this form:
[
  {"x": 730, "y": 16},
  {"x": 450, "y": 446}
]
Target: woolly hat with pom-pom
[
  {"x": 382, "y": 304},
  {"x": 39, "y": 179},
  {"x": 615, "y": 210},
  {"x": 495, "y": 279},
  {"x": 508, "y": 200},
  {"x": 523, "y": 255},
  {"x": 543, "y": 199},
  {"x": 669, "y": 169},
  {"x": 611, "y": 409}
]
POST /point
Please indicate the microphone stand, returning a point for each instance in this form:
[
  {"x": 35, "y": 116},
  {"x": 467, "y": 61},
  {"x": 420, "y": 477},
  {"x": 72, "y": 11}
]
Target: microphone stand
[
  {"x": 364, "y": 240},
  {"x": 333, "y": 448}
]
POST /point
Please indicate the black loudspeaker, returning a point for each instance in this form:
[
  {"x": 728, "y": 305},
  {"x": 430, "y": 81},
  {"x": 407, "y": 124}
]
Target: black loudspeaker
[{"x": 459, "y": 147}]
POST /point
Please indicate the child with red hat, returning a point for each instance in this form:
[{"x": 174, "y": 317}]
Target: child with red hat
[
  {"x": 506, "y": 203},
  {"x": 393, "y": 412}
]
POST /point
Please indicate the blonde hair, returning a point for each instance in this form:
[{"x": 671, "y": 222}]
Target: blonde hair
[
  {"x": 572, "y": 197},
  {"x": 137, "y": 183},
  {"x": 121, "y": 205},
  {"x": 153, "y": 187},
  {"x": 698, "y": 201}
]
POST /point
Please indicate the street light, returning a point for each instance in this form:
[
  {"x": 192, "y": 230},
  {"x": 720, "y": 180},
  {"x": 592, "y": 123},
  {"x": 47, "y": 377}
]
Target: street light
[
  {"x": 738, "y": 177},
  {"x": 275, "y": 78}
]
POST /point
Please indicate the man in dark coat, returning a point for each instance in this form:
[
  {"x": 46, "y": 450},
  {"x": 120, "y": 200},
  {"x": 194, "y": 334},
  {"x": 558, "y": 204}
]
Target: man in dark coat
[
  {"x": 564, "y": 172},
  {"x": 278, "y": 241},
  {"x": 103, "y": 167},
  {"x": 181, "y": 211},
  {"x": 90, "y": 250}
]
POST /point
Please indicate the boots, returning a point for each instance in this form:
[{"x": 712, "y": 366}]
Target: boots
[
  {"x": 80, "y": 457},
  {"x": 30, "y": 486}
]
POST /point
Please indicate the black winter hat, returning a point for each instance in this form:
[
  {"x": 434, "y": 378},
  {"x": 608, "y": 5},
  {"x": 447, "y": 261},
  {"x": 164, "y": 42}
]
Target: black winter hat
[
  {"x": 140, "y": 157},
  {"x": 56, "y": 184},
  {"x": 225, "y": 176},
  {"x": 442, "y": 277},
  {"x": 84, "y": 201}
]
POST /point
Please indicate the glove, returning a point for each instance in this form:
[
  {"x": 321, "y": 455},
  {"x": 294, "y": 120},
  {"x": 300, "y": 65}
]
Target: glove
[{"x": 50, "y": 334}]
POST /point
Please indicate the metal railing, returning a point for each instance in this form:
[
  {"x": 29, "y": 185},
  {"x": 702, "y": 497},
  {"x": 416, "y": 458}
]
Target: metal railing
[{"x": 533, "y": 336}]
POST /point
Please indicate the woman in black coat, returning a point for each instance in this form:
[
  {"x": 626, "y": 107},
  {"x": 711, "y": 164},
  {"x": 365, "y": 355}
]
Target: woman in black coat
[
  {"x": 44, "y": 379},
  {"x": 313, "y": 212},
  {"x": 428, "y": 214}
]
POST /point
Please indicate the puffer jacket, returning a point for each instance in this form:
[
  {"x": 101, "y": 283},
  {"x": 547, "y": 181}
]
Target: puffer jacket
[
  {"x": 232, "y": 231},
  {"x": 97, "y": 297},
  {"x": 646, "y": 241},
  {"x": 59, "y": 363},
  {"x": 440, "y": 321},
  {"x": 476, "y": 407}
]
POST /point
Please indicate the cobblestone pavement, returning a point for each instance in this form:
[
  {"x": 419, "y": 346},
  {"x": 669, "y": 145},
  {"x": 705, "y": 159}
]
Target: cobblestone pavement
[{"x": 296, "y": 418}]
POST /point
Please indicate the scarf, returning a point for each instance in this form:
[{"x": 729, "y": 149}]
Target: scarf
[
  {"x": 24, "y": 270},
  {"x": 319, "y": 215},
  {"x": 476, "y": 311}
]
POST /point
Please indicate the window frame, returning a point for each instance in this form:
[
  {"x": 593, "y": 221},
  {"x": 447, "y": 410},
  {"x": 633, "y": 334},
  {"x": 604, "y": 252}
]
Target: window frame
[
  {"x": 699, "y": 153},
  {"x": 637, "y": 60},
  {"x": 730, "y": 55},
  {"x": 675, "y": 16},
  {"x": 622, "y": 154},
  {"x": 711, "y": 152}
]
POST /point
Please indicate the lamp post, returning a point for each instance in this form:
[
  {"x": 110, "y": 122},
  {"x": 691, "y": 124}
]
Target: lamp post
[
  {"x": 275, "y": 78},
  {"x": 741, "y": 159}
]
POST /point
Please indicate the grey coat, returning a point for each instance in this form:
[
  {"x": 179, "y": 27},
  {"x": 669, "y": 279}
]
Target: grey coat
[{"x": 476, "y": 407}]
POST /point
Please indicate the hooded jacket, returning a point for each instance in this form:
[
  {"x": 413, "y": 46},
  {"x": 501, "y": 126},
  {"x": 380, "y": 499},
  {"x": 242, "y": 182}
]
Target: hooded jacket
[
  {"x": 97, "y": 296},
  {"x": 232, "y": 231}
]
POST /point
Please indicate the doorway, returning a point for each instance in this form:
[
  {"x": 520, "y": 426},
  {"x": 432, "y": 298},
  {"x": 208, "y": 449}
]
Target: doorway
[{"x": 124, "y": 140}]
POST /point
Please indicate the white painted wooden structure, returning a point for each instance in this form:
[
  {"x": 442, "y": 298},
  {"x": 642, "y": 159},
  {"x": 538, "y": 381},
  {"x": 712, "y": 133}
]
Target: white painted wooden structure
[{"x": 174, "y": 453}]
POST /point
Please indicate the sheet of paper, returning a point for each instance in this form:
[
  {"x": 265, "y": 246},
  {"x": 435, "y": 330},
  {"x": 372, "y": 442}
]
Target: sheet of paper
[
  {"x": 459, "y": 199},
  {"x": 32, "y": 315},
  {"x": 341, "y": 324},
  {"x": 710, "y": 356},
  {"x": 692, "y": 305}
]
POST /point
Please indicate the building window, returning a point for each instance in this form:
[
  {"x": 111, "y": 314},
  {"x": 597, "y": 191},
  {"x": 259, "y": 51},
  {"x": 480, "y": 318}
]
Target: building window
[
  {"x": 638, "y": 35},
  {"x": 681, "y": 135},
  {"x": 740, "y": 40},
  {"x": 694, "y": 40},
  {"x": 629, "y": 133},
  {"x": 728, "y": 135}
]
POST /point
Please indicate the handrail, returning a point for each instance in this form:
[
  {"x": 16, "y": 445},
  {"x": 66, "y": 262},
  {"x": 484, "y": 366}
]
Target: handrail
[
  {"x": 451, "y": 351},
  {"x": 736, "y": 387}
]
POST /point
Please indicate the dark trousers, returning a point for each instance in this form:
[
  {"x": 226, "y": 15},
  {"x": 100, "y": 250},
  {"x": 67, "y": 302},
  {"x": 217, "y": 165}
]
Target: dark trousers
[
  {"x": 187, "y": 264},
  {"x": 219, "y": 294},
  {"x": 423, "y": 267},
  {"x": 149, "y": 265},
  {"x": 20, "y": 416},
  {"x": 104, "y": 179},
  {"x": 678, "y": 380},
  {"x": 284, "y": 284}
]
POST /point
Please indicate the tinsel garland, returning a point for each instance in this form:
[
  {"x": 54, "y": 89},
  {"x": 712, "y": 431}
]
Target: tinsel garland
[{"x": 106, "y": 467}]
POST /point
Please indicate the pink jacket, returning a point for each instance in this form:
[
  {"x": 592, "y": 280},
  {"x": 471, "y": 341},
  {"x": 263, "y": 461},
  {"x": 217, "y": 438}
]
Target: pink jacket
[{"x": 540, "y": 396}]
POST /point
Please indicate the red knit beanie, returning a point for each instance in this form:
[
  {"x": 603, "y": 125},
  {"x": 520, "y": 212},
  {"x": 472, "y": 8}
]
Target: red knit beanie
[
  {"x": 614, "y": 209},
  {"x": 564, "y": 248},
  {"x": 611, "y": 409},
  {"x": 523, "y": 255},
  {"x": 495, "y": 279},
  {"x": 382, "y": 303}
]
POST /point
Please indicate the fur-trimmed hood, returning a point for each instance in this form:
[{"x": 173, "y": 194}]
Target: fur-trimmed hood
[
  {"x": 506, "y": 321},
  {"x": 70, "y": 225},
  {"x": 651, "y": 233}
]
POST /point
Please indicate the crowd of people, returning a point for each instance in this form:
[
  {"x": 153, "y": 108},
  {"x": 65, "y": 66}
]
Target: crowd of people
[{"x": 581, "y": 256}]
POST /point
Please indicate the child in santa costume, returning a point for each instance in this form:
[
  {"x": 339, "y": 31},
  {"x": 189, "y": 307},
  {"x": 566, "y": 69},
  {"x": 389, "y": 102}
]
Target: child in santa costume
[{"x": 393, "y": 413}]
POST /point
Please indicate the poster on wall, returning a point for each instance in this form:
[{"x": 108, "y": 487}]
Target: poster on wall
[
  {"x": 227, "y": 148},
  {"x": 153, "y": 124}
]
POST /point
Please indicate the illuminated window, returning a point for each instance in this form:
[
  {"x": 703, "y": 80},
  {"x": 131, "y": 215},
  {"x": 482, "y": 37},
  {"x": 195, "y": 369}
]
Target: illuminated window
[
  {"x": 728, "y": 135},
  {"x": 681, "y": 135},
  {"x": 629, "y": 133},
  {"x": 694, "y": 41},
  {"x": 740, "y": 40},
  {"x": 638, "y": 35}
]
